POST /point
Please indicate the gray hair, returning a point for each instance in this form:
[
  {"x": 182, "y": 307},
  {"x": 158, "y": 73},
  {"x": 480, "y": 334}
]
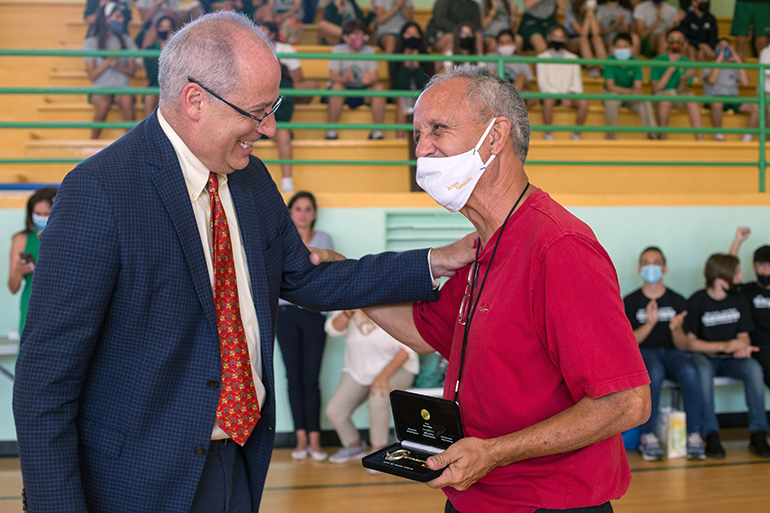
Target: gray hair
[
  {"x": 206, "y": 50},
  {"x": 490, "y": 95}
]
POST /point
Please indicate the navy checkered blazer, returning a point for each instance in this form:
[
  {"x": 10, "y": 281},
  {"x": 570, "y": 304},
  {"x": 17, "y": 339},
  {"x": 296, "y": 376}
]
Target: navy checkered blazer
[{"x": 116, "y": 381}]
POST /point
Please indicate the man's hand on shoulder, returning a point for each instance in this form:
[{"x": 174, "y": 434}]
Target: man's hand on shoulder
[
  {"x": 466, "y": 461},
  {"x": 319, "y": 256},
  {"x": 448, "y": 260}
]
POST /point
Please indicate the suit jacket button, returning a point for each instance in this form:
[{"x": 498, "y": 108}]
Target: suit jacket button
[
  {"x": 212, "y": 384},
  {"x": 200, "y": 451}
]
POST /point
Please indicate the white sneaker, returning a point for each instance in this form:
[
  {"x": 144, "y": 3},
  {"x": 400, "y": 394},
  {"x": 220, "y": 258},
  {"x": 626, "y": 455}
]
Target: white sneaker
[
  {"x": 317, "y": 456},
  {"x": 349, "y": 453},
  {"x": 747, "y": 138},
  {"x": 719, "y": 137},
  {"x": 298, "y": 455},
  {"x": 287, "y": 185},
  {"x": 331, "y": 134},
  {"x": 548, "y": 136},
  {"x": 576, "y": 137}
]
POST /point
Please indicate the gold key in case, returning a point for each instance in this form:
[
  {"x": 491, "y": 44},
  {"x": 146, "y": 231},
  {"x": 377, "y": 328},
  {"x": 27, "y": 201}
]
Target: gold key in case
[{"x": 404, "y": 454}]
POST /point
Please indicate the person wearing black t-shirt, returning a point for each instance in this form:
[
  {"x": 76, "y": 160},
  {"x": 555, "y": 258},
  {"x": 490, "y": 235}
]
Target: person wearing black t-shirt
[
  {"x": 656, "y": 314},
  {"x": 718, "y": 323},
  {"x": 758, "y": 294},
  {"x": 700, "y": 28}
]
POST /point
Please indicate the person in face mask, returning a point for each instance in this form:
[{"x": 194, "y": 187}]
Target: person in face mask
[
  {"x": 674, "y": 81},
  {"x": 466, "y": 42},
  {"x": 409, "y": 75},
  {"x": 154, "y": 38},
  {"x": 497, "y": 16},
  {"x": 518, "y": 73},
  {"x": 656, "y": 314},
  {"x": 520, "y": 303},
  {"x": 584, "y": 33},
  {"x": 560, "y": 79},
  {"x": 355, "y": 75},
  {"x": 700, "y": 29},
  {"x": 750, "y": 16},
  {"x": 26, "y": 244},
  {"x": 758, "y": 294},
  {"x": 718, "y": 324},
  {"x": 625, "y": 80},
  {"x": 109, "y": 34}
]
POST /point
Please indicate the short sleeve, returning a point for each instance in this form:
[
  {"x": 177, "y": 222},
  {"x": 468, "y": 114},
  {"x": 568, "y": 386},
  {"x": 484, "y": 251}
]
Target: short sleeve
[
  {"x": 335, "y": 64},
  {"x": 583, "y": 322},
  {"x": 692, "y": 319},
  {"x": 638, "y": 74},
  {"x": 90, "y": 44},
  {"x": 436, "y": 321},
  {"x": 656, "y": 72}
]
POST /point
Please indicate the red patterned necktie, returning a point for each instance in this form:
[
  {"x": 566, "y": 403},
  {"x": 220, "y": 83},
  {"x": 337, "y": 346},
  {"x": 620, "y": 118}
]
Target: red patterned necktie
[{"x": 238, "y": 409}]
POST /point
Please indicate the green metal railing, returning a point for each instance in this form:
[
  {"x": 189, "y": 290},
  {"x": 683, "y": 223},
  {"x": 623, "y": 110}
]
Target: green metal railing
[{"x": 760, "y": 99}]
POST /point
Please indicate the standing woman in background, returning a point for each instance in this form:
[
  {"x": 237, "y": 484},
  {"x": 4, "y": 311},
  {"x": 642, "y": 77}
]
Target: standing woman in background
[
  {"x": 25, "y": 245},
  {"x": 302, "y": 338}
]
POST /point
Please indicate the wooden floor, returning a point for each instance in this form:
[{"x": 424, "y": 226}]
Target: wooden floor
[{"x": 739, "y": 483}]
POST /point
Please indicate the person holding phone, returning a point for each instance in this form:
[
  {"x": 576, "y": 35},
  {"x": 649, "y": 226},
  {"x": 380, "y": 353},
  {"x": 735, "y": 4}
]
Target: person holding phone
[{"x": 25, "y": 245}]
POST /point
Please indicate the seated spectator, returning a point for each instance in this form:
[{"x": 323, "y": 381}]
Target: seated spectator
[
  {"x": 310, "y": 7},
  {"x": 109, "y": 34},
  {"x": 614, "y": 17},
  {"x": 496, "y": 16},
  {"x": 182, "y": 12},
  {"x": 517, "y": 73},
  {"x": 625, "y": 80},
  {"x": 652, "y": 20},
  {"x": 673, "y": 81},
  {"x": 354, "y": 75},
  {"x": 25, "y": 246},
  {"x": 409, "y": 75},
  {"x": 447, "y": 15},
  {"x": 764, "y": 58},
  {"x": 724, "y": 82},
  {"x": 337, "y": 12},
  {"x": 291, "y": 78},
  {"x": 584, "y": 33},
  {"x": 464, "y": 44},
  {"x": 92, "y": 6},
  {"x": 718, "y": 323},
  {"x": 391, "y": 16},
  {"x": 656, "y": 314},
  {"x": 758, "y": 294},
  {"x": 560, "y": 79},
  {"x": 375, "y": 363},
  {"x": 700, "y": 29},
  {"x": 286, "y": 14},
  {"x": 538, "y": 18},
  {"x": 154, "y": 38},
  {"x": 754, "y": 15}
]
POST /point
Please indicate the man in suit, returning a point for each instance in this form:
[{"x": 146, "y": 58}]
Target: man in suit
[{"x": 145, "y": 373}]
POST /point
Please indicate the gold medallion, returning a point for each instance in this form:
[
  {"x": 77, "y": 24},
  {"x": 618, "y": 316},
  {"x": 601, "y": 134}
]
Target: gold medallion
[{"x": 425, "y": 414}]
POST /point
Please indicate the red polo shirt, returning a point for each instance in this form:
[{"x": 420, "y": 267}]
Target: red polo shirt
[{"x": 550, "y": 329}]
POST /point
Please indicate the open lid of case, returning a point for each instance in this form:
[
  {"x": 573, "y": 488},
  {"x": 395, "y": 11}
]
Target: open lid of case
[{"x": 425, "y": 423}]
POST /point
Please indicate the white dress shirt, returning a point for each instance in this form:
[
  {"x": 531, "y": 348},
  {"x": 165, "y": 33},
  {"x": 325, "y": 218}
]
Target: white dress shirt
[{"x": 196, "y": 177}]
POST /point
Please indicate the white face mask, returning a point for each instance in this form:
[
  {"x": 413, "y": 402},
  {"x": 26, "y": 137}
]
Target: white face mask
[
  {"x": 591, "y": 5},
  {"x": 451, "y": 180},
  {"x": 507, "y": 50}
]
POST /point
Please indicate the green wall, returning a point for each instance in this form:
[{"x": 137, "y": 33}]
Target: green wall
[{"x": 688, "y": 235}]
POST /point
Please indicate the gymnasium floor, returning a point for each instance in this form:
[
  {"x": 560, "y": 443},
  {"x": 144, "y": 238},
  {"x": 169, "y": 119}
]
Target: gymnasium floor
[{"x": 739, "y": 483}]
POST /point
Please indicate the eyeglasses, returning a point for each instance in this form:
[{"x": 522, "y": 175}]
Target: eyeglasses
[
  {"x": 238, "y": 109},
  {"x": 466, "y": 303}
]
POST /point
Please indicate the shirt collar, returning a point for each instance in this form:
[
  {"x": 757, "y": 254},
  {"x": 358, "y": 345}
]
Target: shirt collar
[{"x": 195, "y": 174}]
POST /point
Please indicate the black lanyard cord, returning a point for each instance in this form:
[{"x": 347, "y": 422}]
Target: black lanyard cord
[{"x": 472, "y": 312}]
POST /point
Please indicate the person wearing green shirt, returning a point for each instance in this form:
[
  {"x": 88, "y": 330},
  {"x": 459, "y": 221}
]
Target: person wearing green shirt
[
  {"x": 625, "y": 80},
  {"x": 674, "y": 81}
]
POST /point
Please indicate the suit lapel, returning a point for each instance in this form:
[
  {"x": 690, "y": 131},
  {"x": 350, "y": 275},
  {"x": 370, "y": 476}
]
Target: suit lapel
[{"x": 170, "y": 184}]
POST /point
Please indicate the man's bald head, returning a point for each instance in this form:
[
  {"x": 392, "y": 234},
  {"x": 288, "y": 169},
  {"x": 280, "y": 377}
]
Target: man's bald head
[
  {"x": 212, "y": 50},
  {"x": 488, "y": 96}
]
